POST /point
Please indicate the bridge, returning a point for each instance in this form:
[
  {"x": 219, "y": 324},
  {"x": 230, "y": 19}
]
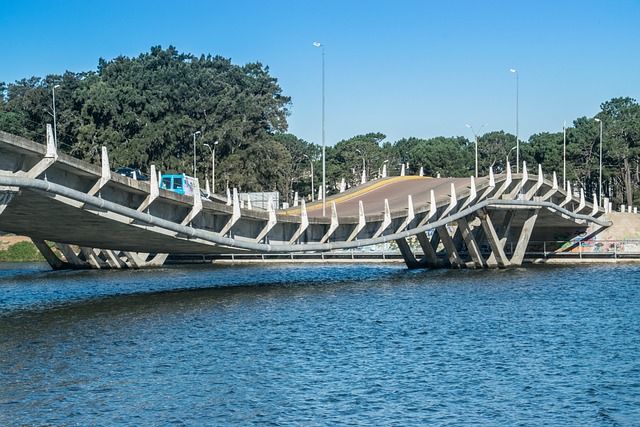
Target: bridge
[{"x": 81, "y": 215}]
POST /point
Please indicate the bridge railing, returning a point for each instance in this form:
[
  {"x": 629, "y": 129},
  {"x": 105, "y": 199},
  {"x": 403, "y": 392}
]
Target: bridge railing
[{"x": 589, "y": 248}]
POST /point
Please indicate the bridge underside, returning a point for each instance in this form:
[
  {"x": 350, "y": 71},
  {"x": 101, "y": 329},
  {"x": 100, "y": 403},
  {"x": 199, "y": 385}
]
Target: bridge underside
[{"x": 82, "y": 216}]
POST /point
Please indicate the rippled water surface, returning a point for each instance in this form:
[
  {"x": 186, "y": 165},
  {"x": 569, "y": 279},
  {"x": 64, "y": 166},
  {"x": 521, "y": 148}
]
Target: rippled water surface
[{"x": 321, "y": 344}]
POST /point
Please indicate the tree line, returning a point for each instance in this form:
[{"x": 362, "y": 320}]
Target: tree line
[{"x": 148, "y": 110}]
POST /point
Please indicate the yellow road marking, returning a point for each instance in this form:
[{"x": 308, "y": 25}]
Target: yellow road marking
[{"x": 318, "y": 205}]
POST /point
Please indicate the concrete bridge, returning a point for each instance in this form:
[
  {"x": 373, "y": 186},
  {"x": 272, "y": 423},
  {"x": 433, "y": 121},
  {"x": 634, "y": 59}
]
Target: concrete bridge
[{"x": 81, "y": 215}]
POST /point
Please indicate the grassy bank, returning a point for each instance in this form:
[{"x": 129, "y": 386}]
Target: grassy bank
[{"x": 24, "y": 251}]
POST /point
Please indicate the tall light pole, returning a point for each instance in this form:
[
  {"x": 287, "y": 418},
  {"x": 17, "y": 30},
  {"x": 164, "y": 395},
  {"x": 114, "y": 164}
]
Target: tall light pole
[
  {"x": 311, "y": 163},
  {"x": 564, "y": 155},
  {"x": 324, "y": 176},
  {"x": 194, "y": 153},
  {"x": 364, "y": 173},
  {"x": 476, "y": 137},
  {"x": 213, "y": 166},
  {"x": 600, "y": 178},
  {"x": 55, "y": 131},
  {"x": 513, "y": 70}
]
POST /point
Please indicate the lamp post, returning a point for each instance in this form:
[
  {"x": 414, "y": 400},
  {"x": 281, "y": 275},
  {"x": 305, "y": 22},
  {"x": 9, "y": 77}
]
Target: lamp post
[
  {"x": 55, "y": 131},
  {"x": 213, "y": 166},
  {"x": 564, "y": 155},
  {"x": 194, "y": 153},
  {"x": 600, "y": 178},
  {"x": 310, "y": 163},
  {"x": 476, "y": 137},
  {"x": 513, "y": 70},
  {"x": 364, "y": 170},
  {"x": 324, "y": 179}
]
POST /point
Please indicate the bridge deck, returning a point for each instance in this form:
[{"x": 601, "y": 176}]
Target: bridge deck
[{"x": 54, "y": 197}]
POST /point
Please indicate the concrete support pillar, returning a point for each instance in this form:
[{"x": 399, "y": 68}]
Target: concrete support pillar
[
  {"x": 93, "y": 258},
  {"x": 498, "y": 258},
  {"x": 304, "y": 223},
  {"x": 334, "y": 223},
  {"x": 271, "y": 222},
  {"x": 472, "y": 244},
  {"x": 235, "y": 216},
  {"x": 361, "y": 222},
  {"x": 523, "y": 241},
  {"x": 450, "y": 248},
  {"x": 409, "y": 258},
  {"x": 50, "y": 256},
  {"x": 70, "y": 255},
  {"x": 386, "y": 221},
  {"x": 429, "y": 248}
]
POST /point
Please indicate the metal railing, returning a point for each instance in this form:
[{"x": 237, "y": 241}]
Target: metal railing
[{"x": 627, "y": 248}]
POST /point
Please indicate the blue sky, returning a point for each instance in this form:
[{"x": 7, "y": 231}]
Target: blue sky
[{"x": 403, "y": 67}]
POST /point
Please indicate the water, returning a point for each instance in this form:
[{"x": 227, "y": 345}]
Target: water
[{"x": 317, "y": 345}]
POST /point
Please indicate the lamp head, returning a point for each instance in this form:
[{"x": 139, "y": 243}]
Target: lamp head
[
  {"x": 513, "y": 70},
  {"x": 598, "y": 120},
  {"x": 317, "y": 44}
]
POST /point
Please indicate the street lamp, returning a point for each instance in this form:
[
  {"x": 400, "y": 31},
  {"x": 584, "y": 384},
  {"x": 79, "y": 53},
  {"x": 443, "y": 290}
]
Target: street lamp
[
  {"x": 55, "y": 131},
  {"x": 213, "y": 166},
  {"x": 194, "y": 153},
  {"x": 564, "y": 155},
  {"x": 364, "y": 170},
  {"x": 513, "y": 70},
  {"x": 324, "y": 179},
  {"x": 600, "y": 178},
  {"x": 311, "y": 163},
  {"x": 476, "y": 137}
]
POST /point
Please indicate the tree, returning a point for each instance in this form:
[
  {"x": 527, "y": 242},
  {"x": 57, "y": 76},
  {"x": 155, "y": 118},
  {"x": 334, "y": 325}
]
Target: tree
[
  {"x": 621, "y": 138},
  {"x": 145, "y": 109},
  {"x": 303, "y": 155},
  {"x": 447, "y": 157},
  {"x": 348, "y": 158},
  {"x": 493, "y": 150},
  {"x": 546, "y": 149}
]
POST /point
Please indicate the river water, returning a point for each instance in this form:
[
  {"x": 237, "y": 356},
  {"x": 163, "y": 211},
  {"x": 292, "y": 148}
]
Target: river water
[{"x": 320, "y": 345}]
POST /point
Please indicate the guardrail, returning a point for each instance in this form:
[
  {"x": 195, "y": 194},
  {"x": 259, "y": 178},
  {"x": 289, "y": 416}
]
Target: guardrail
[
  {"x": 628, "y": 248},
  {"x": 587, "y": 249}
]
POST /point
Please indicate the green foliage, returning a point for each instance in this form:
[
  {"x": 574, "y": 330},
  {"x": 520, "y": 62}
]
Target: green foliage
[
  {"x": 21, "y": 252},
  {"x": 304, "y": 157},
  {"x": 447, "y": 157},
  {"x": 348, "y": 158},
  {"x": 546, "y": 149},
  {"x": 146, "y": 109}
]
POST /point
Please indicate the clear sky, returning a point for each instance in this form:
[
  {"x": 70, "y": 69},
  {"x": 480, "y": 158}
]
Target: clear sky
[{"x": 401, "y": 67}]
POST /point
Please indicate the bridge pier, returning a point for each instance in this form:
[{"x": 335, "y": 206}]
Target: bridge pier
[
  {"x": 464, "y": 250},
  {"x": 91, "y": 258}
]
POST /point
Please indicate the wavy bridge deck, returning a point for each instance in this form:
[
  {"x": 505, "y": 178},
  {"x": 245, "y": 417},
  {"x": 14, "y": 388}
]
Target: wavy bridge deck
[{"x": 84, "y": 216}]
